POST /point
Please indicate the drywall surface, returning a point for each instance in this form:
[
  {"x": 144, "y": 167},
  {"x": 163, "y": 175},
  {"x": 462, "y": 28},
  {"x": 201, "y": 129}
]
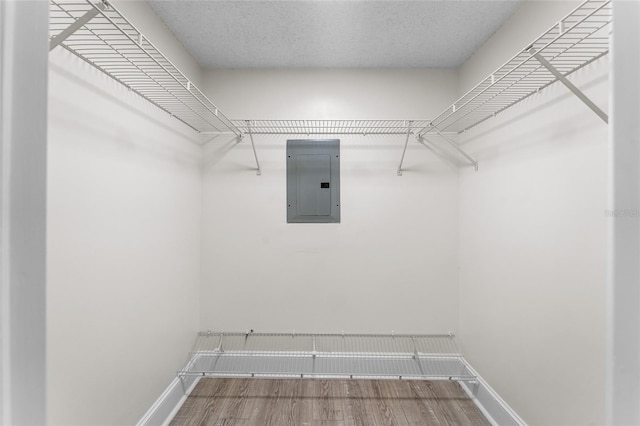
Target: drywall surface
[
  {"x": 124, "y": 239},
  {"x": 533, "y": 232},
  {"x": 330, "y": 94},
  {"x": 124, "y": 188},
  {"x": 533, "y": 255},
  {"x": 390, "y": 265}
]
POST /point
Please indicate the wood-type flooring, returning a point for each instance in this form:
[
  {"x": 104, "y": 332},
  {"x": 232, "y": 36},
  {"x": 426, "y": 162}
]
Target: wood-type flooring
[{"x": 281, "y": 402}]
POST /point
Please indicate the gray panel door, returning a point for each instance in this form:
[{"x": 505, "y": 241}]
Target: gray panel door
[
  {"x": 313, "y": 181},
  {"x": 314, "y": 191}
]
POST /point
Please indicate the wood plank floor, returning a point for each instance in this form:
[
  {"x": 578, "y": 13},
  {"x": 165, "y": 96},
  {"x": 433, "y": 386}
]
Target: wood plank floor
[{"x": 256, "y": 402}]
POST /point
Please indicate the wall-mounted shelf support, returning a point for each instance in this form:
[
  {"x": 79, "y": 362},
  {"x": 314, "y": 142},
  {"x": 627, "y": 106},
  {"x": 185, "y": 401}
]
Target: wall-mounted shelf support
[
  {"x": 454, "y": 145},
  {"x": 406, "y": 142},
  {"x": 79, "y": 23},
  {"x": 253, "y": 146},
  {"x": 568, "y": 84}
]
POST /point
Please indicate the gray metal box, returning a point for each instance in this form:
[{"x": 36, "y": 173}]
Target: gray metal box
[{"x": 313, "y": 181}]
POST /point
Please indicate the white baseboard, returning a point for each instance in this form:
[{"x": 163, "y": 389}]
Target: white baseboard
[
  {"x": 167, "y": 405},
  {"x": 495, "y": 409}
]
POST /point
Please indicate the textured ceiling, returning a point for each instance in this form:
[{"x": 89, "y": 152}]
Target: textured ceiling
[{"x": 333, "y": 33}]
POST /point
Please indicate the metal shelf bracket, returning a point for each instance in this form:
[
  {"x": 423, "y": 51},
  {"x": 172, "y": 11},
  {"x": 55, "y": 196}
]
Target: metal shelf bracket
[
  {"x": 79, "y": 23},
  {"x": 253, "y": 146},
  {"x": 406, "y": 142},
  {"x": 562, "y": 79},
  {"x": 455, "y": 146}
]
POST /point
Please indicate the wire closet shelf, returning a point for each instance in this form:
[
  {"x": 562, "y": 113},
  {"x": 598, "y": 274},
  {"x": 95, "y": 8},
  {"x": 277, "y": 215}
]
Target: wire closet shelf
[
  {"x": 99, "y": 34},
  {"x": 330, "y": 127},
  {"x": 327, "y": 356},
  {"x": 577, "y": 40}
]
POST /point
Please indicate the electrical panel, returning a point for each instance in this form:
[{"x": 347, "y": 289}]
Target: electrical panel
[{"x": 313, "y": 181}]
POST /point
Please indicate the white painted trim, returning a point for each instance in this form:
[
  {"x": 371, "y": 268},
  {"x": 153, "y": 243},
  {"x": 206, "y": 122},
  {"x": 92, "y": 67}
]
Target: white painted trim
[
  {"x": 175, "y": 410},
  {"x": 161, "y": 401},
  {"x": 622, "y": 391},
  {"x": 496, "y": 414},
  {"x": 468, "y": 389},
  {"x": 170, "y": 400},
  {"x": 4, "y": 232},
  {"x": 24, "y": 36}
]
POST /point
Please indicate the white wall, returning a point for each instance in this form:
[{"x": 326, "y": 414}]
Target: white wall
[
  {"x": 528, "y": 230},
  {"x": 533, "y": 246},
  {"x": 124, "y": 225},
  {"x": 391, "y": 263},
  {"x": 331, "y": 94},
  {"x": 23, "y": 161}
]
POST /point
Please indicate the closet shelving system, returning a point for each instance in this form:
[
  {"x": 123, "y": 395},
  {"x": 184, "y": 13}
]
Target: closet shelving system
[
  {"x": 99, "y": 34},
  {"x": 577, "y": 40},
  {"x": 96, "y": 32},
  {"x": 327, "y": 356}
]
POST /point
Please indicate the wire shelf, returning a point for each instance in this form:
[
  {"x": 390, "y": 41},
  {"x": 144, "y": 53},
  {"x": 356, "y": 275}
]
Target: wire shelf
[
  {"x": 108, "y": 41},
  {"x": 578, "y": 39},
  {"x": 99, "y": 34},
  {"x": 330, "y": 127},
  {"x": 327, "y": 356}
]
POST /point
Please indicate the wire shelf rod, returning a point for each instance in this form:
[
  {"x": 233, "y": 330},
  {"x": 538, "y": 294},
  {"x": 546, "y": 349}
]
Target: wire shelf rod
[
  {"x": 330, "y": 127},
  {"x": 329, "y": 376},
  {"x": 341, "y": 335}
]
